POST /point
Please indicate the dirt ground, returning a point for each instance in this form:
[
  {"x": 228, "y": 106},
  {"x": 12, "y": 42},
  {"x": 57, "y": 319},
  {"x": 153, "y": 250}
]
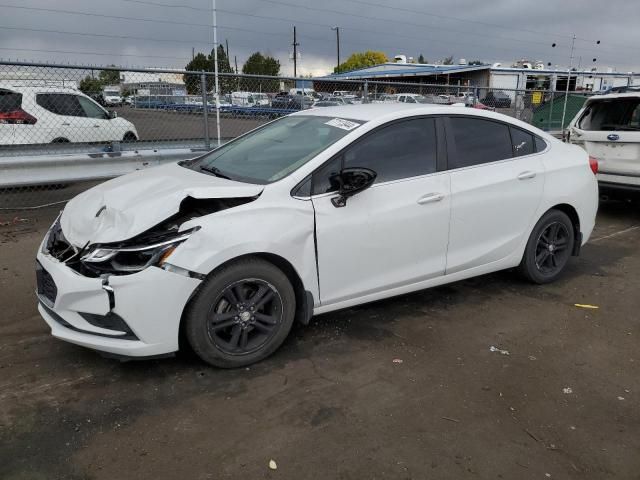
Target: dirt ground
[{"x": 400, "y": 389}]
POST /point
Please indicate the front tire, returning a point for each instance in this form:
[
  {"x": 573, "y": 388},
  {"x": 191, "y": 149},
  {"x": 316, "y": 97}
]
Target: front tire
[
  {"x": 549, "y": 248},
  {"x": 241, "y": 315}
]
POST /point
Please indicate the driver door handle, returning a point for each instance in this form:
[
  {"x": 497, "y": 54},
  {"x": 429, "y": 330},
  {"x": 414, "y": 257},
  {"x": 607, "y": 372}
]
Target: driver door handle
[
  {"x": 430, "y": 198},
  {"x": 526, "y": 175}
]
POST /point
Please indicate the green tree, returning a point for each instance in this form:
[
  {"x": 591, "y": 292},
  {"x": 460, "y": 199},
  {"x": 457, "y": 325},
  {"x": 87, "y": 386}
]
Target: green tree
[
  {"x": 90, "y": 85},
  {"x": 192, "y": 82},
  {"x": 109, "y": 77},
  {"x": 421, "y": 59},
  {"x": 361, "y": 60},
  {"x": 204, "y": 63},
  {"x": 447, "y": 60},
  {"x": 258, "y": 64}
]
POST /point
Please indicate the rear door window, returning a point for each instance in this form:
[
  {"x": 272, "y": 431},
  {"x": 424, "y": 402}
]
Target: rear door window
[
  {"x": 478, "y": 141},
  {"x": 614, "y": 114},
  {"x": 61, "y": 104}
]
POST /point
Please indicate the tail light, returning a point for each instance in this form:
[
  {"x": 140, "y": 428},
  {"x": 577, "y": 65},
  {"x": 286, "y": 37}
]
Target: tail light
[
  {"x": 593, "y": 163},
  {"x": 17, "y": 117}
]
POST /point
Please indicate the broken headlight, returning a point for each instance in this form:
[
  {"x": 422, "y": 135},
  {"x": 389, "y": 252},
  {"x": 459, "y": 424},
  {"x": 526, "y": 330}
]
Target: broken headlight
[{"x": 124, "y": 258}]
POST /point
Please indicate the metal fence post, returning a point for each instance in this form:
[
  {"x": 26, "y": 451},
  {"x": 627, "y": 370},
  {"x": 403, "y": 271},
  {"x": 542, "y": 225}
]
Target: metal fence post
[
  {"x": 551, "y": 111},
  {"x": 365, "y": 96},
  {"x": 205, "y": 109}
]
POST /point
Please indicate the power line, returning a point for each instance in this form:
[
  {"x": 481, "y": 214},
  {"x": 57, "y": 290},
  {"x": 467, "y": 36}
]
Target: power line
[
  {"x": 445, "y": 42},
  {"x": 154, "y": 4},
  {"x": 88, "y": 53},
  {"x": 100, "y": 15},
  {"x": 278, "y": 2}
]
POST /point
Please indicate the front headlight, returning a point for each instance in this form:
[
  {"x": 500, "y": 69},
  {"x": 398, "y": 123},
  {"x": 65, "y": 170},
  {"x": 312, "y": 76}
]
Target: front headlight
[{"x": 125, "y": 259}]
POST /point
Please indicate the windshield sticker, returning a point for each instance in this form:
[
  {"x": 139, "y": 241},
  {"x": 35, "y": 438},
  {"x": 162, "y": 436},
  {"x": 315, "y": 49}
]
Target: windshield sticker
[{"x": 343, "y": 124}]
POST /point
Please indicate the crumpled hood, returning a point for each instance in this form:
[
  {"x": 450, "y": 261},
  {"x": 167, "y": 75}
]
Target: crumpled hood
[{"x": 131, "y": 204}]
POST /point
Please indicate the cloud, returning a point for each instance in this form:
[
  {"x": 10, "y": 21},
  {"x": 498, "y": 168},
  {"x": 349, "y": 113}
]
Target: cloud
[{"x": 149, "y": 35}]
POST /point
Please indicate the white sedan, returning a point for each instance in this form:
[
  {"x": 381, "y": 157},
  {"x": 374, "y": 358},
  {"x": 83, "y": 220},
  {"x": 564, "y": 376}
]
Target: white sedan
[{"x": 317, "y": 211}]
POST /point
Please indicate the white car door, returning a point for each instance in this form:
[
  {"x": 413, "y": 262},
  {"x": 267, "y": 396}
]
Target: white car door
[
  {"x": 395, "y": 232},
  {"x": 494, "y": 191},
  {"x": 99, "y": 122}
]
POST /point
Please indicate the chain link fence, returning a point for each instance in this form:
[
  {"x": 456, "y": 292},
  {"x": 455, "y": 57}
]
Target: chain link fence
[{"x": 64, "y": 127}]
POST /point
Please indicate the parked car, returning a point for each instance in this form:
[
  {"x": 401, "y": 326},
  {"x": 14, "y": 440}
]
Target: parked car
[
  {"x": 229, "y": 249},
  {"x": 30, "y": 115},
  {"x": 608, "y": 128},
  {"x": 327, "y": 103},
  {"x": 291, "y": 102},
  {"x": 249, "y": 99},
  {"x": 412, "y": 98},
  {"x": 497, "y": 99}
]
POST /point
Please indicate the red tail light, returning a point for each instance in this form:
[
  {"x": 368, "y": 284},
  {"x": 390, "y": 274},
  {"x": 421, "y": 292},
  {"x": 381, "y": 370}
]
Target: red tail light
[
  {"x": 593, "y": 163},
  {"x": 17, "y": 117}
]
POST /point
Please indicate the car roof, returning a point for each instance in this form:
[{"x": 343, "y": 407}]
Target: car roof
[
  {"x": 611, "y": 96},
  {"x": 382, "y": 111},
  {"x": 37, "y": 88}
]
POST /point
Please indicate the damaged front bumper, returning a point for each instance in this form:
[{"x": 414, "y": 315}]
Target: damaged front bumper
[{"x": 135, "y": 315}]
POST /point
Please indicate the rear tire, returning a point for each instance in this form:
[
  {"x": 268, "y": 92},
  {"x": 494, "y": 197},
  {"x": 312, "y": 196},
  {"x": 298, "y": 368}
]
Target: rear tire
[
  {"x": 241, "y": 314},
  {"x": 129, "y": 137},
  {"x": 549, "y": 248}
]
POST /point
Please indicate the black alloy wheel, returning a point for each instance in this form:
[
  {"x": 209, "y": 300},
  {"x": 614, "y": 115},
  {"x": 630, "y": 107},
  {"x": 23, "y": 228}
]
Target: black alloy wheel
[
  {"x": 245, "y": 316},
  {"x": 552, "y": 250},
  {"x": 241, "y": 313},
  {"x": 549, "y": 247}
]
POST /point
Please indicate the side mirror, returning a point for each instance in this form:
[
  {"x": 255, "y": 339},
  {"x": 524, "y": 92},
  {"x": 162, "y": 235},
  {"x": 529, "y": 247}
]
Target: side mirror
[
  {"x": 113, "y": 114},
  {"x": 352, "y": 181}
]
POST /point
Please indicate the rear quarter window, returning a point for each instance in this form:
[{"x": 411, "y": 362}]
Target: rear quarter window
[{"x": 10, "y": 101}]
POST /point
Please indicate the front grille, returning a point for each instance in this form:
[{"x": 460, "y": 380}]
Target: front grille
[{"x": 47, "y": 289}]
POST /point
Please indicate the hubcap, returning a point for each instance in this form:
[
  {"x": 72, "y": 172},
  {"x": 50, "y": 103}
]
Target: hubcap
[
  {"x": 552, "y": 249},
  {"x": 245, "y": 316}
]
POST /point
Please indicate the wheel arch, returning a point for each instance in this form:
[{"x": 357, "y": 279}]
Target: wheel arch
[{"x": 304, "y": 298}]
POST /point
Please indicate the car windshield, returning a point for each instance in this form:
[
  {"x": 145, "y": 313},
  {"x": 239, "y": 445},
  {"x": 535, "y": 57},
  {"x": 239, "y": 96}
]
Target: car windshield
[
  {"x": 420, "y": 99},
  {"x": 275, "y": 150}
]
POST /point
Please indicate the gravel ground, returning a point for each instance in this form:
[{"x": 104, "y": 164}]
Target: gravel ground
[{"x": 406, "y": 388}]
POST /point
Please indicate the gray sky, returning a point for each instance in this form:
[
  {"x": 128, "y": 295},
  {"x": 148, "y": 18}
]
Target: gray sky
[{"x": 493, "y": 31}]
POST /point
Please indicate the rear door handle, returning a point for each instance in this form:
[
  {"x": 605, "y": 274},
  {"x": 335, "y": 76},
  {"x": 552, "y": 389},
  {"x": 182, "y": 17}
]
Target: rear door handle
[
  {"x": 526, "y": 175},
  {"x": 96, "y": 126},
  {"x": 66, "y": 124},
  {"x": 430, "y": 198}
]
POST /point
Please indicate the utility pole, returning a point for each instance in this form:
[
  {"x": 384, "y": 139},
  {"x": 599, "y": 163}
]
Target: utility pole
[
  {"x": 226, "y": 41},
  {"x": 566, "y": 94},
  {"x": 235, "y": 60},
  {"x": 193, "y": 53},
  {"x": 337, "y": 29},
  {"x": 295, "y": 54},
  {"x": 215, "y": 68}
]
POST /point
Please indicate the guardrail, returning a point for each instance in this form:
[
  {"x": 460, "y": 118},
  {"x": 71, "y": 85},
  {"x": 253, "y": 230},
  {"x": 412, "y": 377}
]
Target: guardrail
[{"x": 59, "y": 169}]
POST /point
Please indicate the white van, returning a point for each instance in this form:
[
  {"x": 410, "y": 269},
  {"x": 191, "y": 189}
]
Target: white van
[
  {"x": 249, "y": 99},
  {"x": 112, "y": 96},
  {"x": 608, "y": 128}
]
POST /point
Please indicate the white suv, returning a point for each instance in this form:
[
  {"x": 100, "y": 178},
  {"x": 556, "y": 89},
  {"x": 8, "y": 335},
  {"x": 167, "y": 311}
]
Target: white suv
[
  {"x": 608, "y": 128},
  {"x": 31, "y": 115}
]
